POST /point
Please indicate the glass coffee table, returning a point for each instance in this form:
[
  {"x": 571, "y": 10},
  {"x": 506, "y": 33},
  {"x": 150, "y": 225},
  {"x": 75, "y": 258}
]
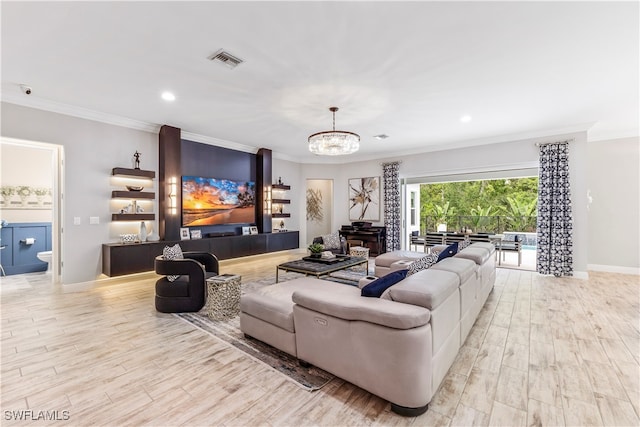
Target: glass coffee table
[{"x": 319, "y": 267}]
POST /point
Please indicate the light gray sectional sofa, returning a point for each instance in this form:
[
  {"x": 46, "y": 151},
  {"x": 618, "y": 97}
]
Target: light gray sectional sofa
[{"x": 399, "y": 346}]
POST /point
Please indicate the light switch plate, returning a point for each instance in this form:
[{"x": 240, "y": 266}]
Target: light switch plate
[
  {"x": 76, "y": 220},
  {"x": 93, "y": 220}
]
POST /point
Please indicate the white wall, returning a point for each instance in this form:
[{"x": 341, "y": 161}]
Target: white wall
[
  {"x": 92, "y": 149},
  {"x": 614, "y": 225}
]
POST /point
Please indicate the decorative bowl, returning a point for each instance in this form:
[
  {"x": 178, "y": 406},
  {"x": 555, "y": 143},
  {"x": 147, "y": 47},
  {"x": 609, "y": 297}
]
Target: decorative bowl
[
  {"x": 129, "y": 238},
  {"x": 134, "y": 188}
]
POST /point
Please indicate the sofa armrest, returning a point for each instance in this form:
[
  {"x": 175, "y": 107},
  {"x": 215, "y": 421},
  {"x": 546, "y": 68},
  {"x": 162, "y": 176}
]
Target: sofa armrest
[
  {"x": 352, "y": 306},
  {"x": 427, "y": 288},
  {"x": 365, "y": 281}
]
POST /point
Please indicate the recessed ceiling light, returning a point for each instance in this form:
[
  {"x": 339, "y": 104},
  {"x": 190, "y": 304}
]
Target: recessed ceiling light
[
  {"x": 466, "y": 118},
  {"x": 381, "y": 136},
  {"x": 168, "y": 96}
]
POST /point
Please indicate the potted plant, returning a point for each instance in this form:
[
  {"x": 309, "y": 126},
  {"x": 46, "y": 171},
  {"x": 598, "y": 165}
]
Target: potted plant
[{"x": 315, "y": 249}]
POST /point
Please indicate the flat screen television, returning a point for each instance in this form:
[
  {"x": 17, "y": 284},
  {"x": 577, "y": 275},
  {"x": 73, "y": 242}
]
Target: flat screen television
[{"x": 210, "y": 201}]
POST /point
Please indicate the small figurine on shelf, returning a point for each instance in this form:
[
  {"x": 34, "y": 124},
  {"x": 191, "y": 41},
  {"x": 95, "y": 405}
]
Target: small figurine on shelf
[
  {"x": 281, "y": 224},
  {"x": 137, "y": 155},
  {"x": 279, "y": 180}
]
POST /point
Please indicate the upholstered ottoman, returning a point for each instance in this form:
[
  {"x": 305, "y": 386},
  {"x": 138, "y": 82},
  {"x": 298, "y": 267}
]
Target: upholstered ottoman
[{"x": 267, "y": 314}]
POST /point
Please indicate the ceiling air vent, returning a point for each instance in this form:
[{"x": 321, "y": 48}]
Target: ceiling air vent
[{"x": 226, "y": 59}]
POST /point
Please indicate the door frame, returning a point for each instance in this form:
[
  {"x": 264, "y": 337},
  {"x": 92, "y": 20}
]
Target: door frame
[{"x": 57, "y": 197}]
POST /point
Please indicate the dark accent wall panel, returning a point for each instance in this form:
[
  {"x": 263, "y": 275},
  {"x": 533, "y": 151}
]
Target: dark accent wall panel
[
  {"x": 217, "y": 162},
  {"x": 263, "y": 182},
  {"x": 209, "y": 161},
  {"x": 169, "y": 167}
]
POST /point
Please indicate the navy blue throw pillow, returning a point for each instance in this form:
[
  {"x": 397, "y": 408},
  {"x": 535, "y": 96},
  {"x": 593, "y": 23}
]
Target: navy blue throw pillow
[
  {"x": 378, "y": 286},
  {"x": 450, "y": 250}
]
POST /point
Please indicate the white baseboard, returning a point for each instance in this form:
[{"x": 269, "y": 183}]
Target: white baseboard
[
  {"x": 583, "y": 275},
  {"x": 614, "y": 269}
]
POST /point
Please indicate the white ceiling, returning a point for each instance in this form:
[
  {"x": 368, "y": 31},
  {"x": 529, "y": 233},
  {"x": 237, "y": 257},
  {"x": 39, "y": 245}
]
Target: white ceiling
[{"x": 406, "y": 69}]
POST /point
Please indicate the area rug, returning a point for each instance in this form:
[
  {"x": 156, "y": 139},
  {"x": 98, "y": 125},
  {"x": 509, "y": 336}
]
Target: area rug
[{"x": 309, "y": 378}]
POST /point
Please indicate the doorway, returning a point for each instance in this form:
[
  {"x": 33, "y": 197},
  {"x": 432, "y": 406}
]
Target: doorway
[
  {"x": 32, "y": 187},
  {"x": 495, "y": 205}
]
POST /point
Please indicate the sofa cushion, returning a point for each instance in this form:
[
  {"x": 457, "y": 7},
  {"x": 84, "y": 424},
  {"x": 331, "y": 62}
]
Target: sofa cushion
[
  {"x": 464, "y": 268},
  {"x": 476, "y": 254},
  {"x": 378, "y": 286},
  {"x": 484, "y": 245},
  {"x": 345, "y": 302},
  {"x": 422, "y": 263},
  {"x": 449, "y": 251},
  {"x": 427, "y": 288},
  {"x": 273, "y": 303},
  {"x": 331, "y": 241},
  {"x": 170, "y": 253},
  {"x": 388, "y": 258}
]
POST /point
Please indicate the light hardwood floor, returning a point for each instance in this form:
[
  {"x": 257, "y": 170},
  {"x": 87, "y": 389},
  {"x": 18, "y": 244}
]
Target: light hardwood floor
[{"x": 544, "y": 351}]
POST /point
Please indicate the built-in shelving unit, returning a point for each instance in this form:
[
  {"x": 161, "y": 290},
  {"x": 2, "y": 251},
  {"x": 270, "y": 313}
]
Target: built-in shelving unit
[
  {"x": 278, "y": 203},
  {"x": 133, "y": 174}
]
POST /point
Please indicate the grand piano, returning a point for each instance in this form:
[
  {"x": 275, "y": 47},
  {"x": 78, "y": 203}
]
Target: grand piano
[{"x": 374, "y": 238}]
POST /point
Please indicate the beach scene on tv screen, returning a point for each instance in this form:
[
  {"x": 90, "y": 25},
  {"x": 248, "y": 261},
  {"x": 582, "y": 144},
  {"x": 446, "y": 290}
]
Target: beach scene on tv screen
[{"x": 209, "y": 201}]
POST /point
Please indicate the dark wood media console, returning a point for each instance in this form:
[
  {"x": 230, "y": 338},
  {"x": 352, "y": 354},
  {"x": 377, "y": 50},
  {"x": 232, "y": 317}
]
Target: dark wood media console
[{"x": 120, "y": 259}]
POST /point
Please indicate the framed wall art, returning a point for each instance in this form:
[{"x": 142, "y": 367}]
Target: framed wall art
[{"x": 364, "y": 199}]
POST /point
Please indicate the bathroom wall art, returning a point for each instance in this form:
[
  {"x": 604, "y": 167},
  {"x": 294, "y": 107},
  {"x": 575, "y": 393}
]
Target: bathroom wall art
[{"x": 25, "y": 197}]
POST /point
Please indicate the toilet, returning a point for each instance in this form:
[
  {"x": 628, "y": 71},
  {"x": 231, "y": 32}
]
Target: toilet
[{"x": 45, "y": 256}]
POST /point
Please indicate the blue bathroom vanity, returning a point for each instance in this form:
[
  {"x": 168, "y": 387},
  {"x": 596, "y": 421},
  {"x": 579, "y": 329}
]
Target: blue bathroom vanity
[{"x": 22, "y": 241}]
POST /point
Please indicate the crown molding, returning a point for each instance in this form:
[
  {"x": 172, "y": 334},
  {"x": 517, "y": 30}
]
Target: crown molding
[
  {"x": 80, "y": 112},
  {"x": 113, "y": 119}
]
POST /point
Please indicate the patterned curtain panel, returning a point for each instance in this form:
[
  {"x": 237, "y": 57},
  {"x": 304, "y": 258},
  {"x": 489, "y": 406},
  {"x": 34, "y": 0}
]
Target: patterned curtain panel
[
  {"x": 555, "y": 224},
  {"x": 392, "y": 214}
]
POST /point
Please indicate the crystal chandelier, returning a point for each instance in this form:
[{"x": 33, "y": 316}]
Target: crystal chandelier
[{"x": 334, "y": 142}]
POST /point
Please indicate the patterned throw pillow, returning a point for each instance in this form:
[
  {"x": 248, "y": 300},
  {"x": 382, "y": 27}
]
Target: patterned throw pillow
[
  {"x": 331, "y": 241},
  {"x": 170, "y": 253},
  {"x": 422, "y": 264},
  {"x": 463, "y": 244}
]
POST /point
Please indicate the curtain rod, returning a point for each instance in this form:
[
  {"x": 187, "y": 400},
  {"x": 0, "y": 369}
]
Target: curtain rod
[{"x": 540, "y": 144}]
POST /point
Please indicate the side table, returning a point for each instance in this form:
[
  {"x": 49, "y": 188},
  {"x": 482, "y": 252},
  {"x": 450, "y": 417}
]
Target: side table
[
  {"x": 361, "y": 252},
  {"x": 223, "y": 296}
]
